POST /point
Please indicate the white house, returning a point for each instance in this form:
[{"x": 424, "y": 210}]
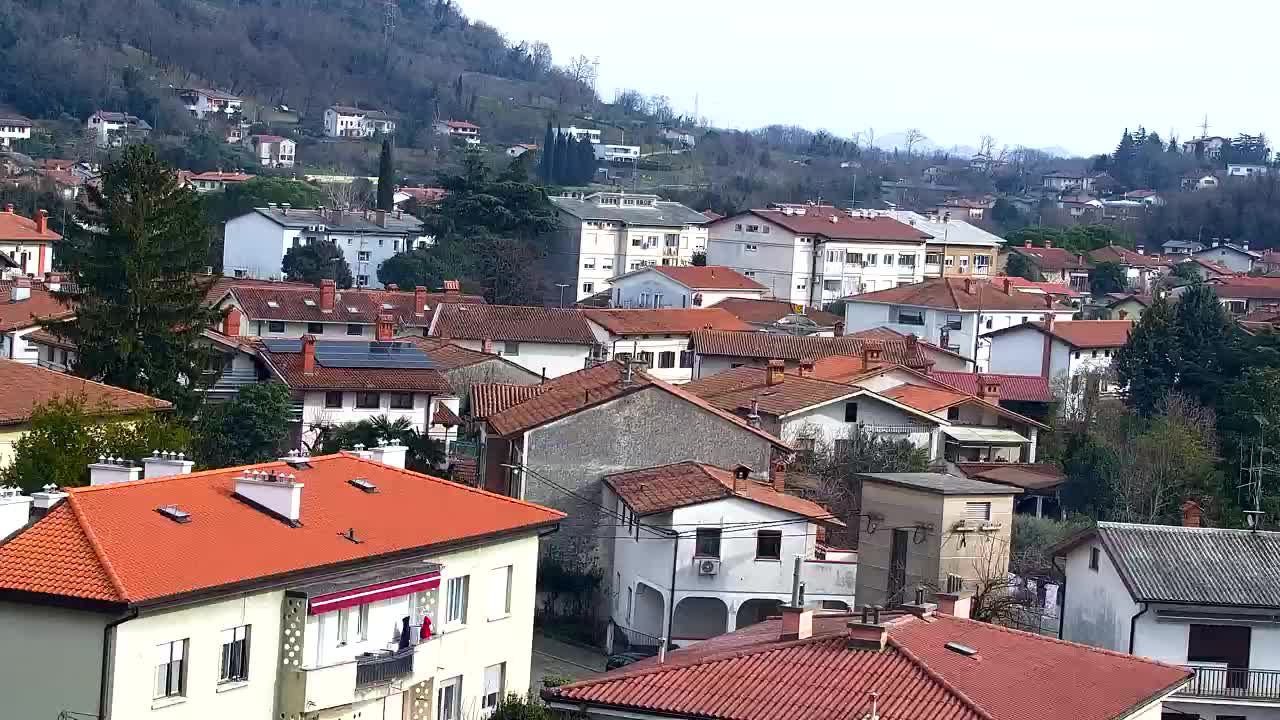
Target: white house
[
  {"x": 817, "y": 254},
  {"x": 956, "y": 247},
  {"x": 546, "y": 341},
  {"x": 28, "y": 242},
  {"x": 255, "y": 243},
  {"x": 607, "y": 233},
  {"x": 1071, "y": 353},
  {"x": 465, "y": 131},
  {"x": 201, "y": 102},
  {"x": 384, "y": 593},
  {"x": 22, "y": 308},
  {"x": 216, "y": 180},
  {"x": 113, "y": 129},
  {"x": 1202, "y": 598},
  {"x": 577, "y": 133},
  {"x": 658, "y": 339},
  {"x": 343, "y": 121},
  {"x": 274, "y": 151},
  {"x": 729, "y": 544},
  {"x": 617, "y": 153},
  {"x": 13, "y": 128},
  {"x": 681, "y": 286},
  {"x": 1239, "y": 258},
  {"x": 678, "y": 137},
  {"x": 951, "y": 313},
  {"x": 1242, "y": 170},
  {"x": 1059, "y": 180}
]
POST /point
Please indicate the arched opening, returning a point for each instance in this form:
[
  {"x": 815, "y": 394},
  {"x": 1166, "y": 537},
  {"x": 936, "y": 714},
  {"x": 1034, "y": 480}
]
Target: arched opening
[
  {"x": 758, "y": 609},
  {"x": 650, "y": 608},
  {"x": 699, "y": 618}
]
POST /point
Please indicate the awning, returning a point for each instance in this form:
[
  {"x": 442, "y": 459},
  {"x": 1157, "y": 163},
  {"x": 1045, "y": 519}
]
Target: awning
[
  {"x": 984, "y": 435},
  {"x": 373, "y": 592}
]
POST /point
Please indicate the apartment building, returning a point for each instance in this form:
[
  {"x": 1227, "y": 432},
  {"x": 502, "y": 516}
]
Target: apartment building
[
  {"x": 658, "y": 339},
  {"x": 344, "y": 121},
  {"x": 28, "y": 242},
  {"x": 200, "y": 102},
  {"x": 274, "y": 151},
  {"x": 681, "y": 286},
  {"x": 311, "y": 587},
  {"x": 956, "y": 247},
  {"x": 13, "y": 128},
  {"x": 607, "y": 233},
  {"x": 813, "y": 255}
]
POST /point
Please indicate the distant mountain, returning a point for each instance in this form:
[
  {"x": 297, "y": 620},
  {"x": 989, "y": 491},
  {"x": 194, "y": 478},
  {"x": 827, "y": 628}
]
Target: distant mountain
[{"x": 898, "y": 141}]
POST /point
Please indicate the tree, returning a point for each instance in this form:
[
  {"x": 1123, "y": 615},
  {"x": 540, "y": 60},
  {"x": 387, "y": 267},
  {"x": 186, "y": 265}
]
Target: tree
[
  {"x": 547, "y": 167},
  {"x": 1149, "y": 362},
  {"x": 1020, "y": 265},
  {"x": 1204, "y": 333},
  {"x": 249, "y": 429},
  {"x": 386, "y": 178},
  {"x": 699, "y": 258},
  {"x": 1186, "y": 271},
  {"x": 135, "y": 254},
  {"x": 423, "y": 453},
  {"x": 1124, "y": 161},
  {"x": 426, "y": 267},
  {"x": 317, "y": 261},
  {"x": 1107, "y": 277}
]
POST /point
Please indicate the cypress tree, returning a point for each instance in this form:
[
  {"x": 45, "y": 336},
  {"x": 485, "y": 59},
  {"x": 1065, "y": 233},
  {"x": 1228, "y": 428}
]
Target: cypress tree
[
  {"x": 546, "y": 170},
  {"x": 561, "y": 162},
  {"x": 1148, "y": 363},
  {"x": 1202, "y": 331},
  {"x": 586, "y": 162},
  {"x": 386, "y": 178}
]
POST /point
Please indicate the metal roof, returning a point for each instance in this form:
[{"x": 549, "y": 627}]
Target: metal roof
[
  {"x": 941, "y": 483},
  {"x": 990, "y": 435},
  {"x": 660, "y": 214}
]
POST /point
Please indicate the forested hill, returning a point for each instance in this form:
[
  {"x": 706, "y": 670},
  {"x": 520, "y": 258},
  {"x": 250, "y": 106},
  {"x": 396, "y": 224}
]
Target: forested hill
[{"x": 70, "y": 57}]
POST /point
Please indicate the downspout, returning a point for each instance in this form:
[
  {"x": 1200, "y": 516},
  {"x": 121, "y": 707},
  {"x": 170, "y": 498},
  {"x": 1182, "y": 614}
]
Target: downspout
[
  {"x": 1062, "y": 606},
  {"x": 671, "y": 601},
  {"x": 1133, "y": 624},
  {"x": 108, "y": 638},
  {"x": 813, "y": 274}
]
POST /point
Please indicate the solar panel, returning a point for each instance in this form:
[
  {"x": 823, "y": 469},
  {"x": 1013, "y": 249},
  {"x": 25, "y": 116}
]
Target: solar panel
[
  {"x": 279, "y": 345},
  {"x": 375, "y": 354}
]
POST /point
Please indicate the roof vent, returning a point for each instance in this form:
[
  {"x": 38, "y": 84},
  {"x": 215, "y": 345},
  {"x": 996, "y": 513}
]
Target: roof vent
[
  {"x": 965, "y": 650},
  {"x": 352, "y": 309},
  {"x": 388, "y": 306},
  {"x": 363, "y": 484},
  {"x": 175, "y": 513},
  {"x": 297, "y": 459},
  {"x": 350, "y": 534},
  {"x": 309, "y": 302},
  {"x": 273, "y": 304}
]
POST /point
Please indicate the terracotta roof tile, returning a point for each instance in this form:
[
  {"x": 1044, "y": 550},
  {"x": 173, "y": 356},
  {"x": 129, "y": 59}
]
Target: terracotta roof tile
[
  {"x": 925, "y": 399},
  {"x": 707, "y": 277},
  {"x": 734, "y": 390},
  {"x": 665, "y": 321},
  {"x": 1021, "y": 388},
  {"x": 1046, "y": 287},
  {"x": 16, "y": 227},
  {"x": 798, "y": 347},
  {"x": 28, "y": 386},
  {"x": 1028, "y": 476},
  {"x": 1080, "y": 333},
  {"x": 1125, "y": 256},
  {"x": 1247, "y": 288},
  {"x": 959, "y": 294},
  {"x": 767, "y": 312},
  {"x": 667, "y": 487},
  {"x": 444, "y": 416},
  {"x": 492, "y": 398},
  {"x": 301, "y": 303},
  {"x": 107, "y": 542},
  {"x": 1052, "y": 258},
  {"x": 512, "y": 323},
  {"x": 818, "y": 222},
  {"x": 289, "y": 367},
  {"x": 42, "y": 305}
]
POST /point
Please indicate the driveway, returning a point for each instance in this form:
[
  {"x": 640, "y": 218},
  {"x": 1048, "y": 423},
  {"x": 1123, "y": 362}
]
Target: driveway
[{"x": 555, "y": 657}]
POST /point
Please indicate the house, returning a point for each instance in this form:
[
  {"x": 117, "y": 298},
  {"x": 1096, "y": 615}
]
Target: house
[
  {"x": 1142, "y": 271},
  {"x": 549, "y": 342},
  {"x": 465, "y": 131},
  {"x": 515, "y": 151},
  {"x": 781, "y": 317},
  {"x": 1200, "y": 180},
  {"x": 1246, "y": 170},
  {"x": 934, "y": 174},
  {"x": 813, "y": 255},
  {"x": 716, "y": 351},
  {"x": 326, "y": 586},
  {"x": 1127, "y": 306},
  {"x": 1181, "y": 247},
  {"x": 681, "y": 286},
  {"x": 216, "y": 180},
  {"x": 234, "y": 132},
  {"x": 1238, "y": 257},
  {"x": 918, "y": 661},
  {"x": 983, "y": 163},
  {"x": 1145, "y": 196},
  {"x": 1041, "y": 485},
  {"x": 1209, "y": 269},
  {"x": 22, "y": 309},
  {"x": 591, "y": 135},
  {"x": 606, "y": 233},
  {"x": 1269, "y": 262},
  {"x": 658, "y": 339},
  {"x": 255, "y": 243},
  {"x": 1061, "y": 181},
  {"x": 28, "y": 242},
  {"x": 1058, "y": 291},
  {"x": 616, "y": 153},
  {"x": 344, "y": 121},
  {"x": 1054, "y": 265},
  {"x": 28, "y": 387},
  {"x": 421, "y": 195},
  {"x": 678, "y": 137},
  {"x": 1208, "y": 147},
  {"x": 956, "y": 248},
  {"x": 1244, "y": 294},
  {"x": 1017, "y": 392},
  {"x": 950, "y": 312},
  {"x": 973, "y": 428},
  {"x": 964, "y": 208},
  {"x": 1072, "y": 354},
  {"x": 274, "y": 150},
  {"x": 1202, "y": 598},
  {"x": 200, "y": 102},
  {"x": 113, "y": 129},
  {"x": 13, "y": 127}
]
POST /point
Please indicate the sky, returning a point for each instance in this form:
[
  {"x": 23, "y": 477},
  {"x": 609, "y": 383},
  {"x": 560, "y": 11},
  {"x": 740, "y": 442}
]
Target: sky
[{"x": 1028, "y": 72}]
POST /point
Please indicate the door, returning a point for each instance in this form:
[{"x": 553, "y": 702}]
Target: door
[
  {"x": 897, "y": 567},
  {"x": 1225, "y": 644}
]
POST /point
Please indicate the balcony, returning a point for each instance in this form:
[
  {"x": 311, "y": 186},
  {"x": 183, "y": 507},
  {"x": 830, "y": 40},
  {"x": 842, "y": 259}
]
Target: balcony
[
  {"x": 1243, "y": 685},
  {"x": 364, "y": 678},
  {"x": 384, "y": 667}
]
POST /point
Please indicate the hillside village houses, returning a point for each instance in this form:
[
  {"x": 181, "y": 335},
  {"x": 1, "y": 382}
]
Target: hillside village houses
[
  {"x": 1239, "y": 258},
  {"x": 1055, "y": 265},
  {"x": 464, "y": 131},
  {"x": 716, "y": 351},
  {"x": 956, "y": 248},
  {"x": 23, "y": 305},
  {"x": 343, "y": 121},
  {"x": 273, "y": 150},
  {"x": 200, "y": 102},
  {"x": 13, "y": 128},
  {"x": 28, "y": 242},
  {"x": 1074, "y": 355},
  {"x": 1141, "y": 271},
  {"x": 113, "y": 129},
  {"x": 214, "y": 180}
]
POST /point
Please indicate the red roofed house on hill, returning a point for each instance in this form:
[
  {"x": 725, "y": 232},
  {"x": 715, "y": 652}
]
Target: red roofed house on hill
[
  {"x": 659, "y": 338},
  {"x": 23, "y": 304},
  {"x": 681, "y": 286},
  {"x": 307, "y": 587},
  {"x": 28, "y": 242},
  {"x": 274, "y": 150},
  {"x": 1070, "y": 354},
  {"x": 1055, "y": 265}
]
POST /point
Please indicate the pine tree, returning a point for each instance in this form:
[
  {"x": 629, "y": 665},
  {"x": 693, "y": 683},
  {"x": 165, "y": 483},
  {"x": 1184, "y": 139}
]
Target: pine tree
[
  {"x": 135, "y": 253},
  {"x": 1148, "y": 363},
  {"x": 1124, "y": 161},
  {"x": 386, "y": 178},
  {"x": 1173, "y": 146},
  {"x": 546, "y": 169},
  {"x": 1202, "y": 330},
  {"x": 561, "y": 162}
]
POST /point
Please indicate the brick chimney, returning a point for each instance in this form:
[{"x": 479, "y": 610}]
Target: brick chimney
[
  {"x": 419, "y": 300},
  {"x": 775, "y": 373},
  {"x": 954, "y": 604},
  {"x": 988, "y": 389},
  {"x": 1191, "y": 512},
  {"x": 308, "y": 354},
  {"x": 385, "y": 329},
  {"x": 486, "y": 346},
  {"x": 452, "y": 287},
  {"x": 231, "y": 325},
  {"x": 1008, "y": 286},
  {"x": 1048, "y": 243},
  {"x": 797, "y": 623},
  {"x": 867, "y": 634},
  {"x": 1048, "y": 300},
  {"x": 968, "y": 286},
  {"x": 21, "y": 290},
  {"x": 838, "y": 329},
  {"x": 871, "y": 350},
  {"x": 806, "y": 367},
  {"x": 8, "y": 208},
  {"x": 328, "y": 291},
  {"x": 42, "y": 221},
  {"x": 778, "y": 476}
]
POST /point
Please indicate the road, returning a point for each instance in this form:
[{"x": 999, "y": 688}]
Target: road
[{"x": 554, "y": 657}]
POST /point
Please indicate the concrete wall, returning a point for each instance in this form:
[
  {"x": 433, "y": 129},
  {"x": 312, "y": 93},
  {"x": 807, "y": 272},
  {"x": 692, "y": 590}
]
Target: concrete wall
[
  {"x": 780, "y": 260},
  {"x": 900, "y": 507},
  {"x": 53, "y": 661},
  {"x": 314, "y": 411},
  {"x": 827, "y": 424},
  {"x": 33, "y": 258},
  {"x": 1017, "y": 353},
  {"x": 255, "y": 245},
  {"x": 1098, "y": 608},
  {"x": 657, "y": 344},
  {"x": 14, "y": 346},
  {"x": 975, "y": 556}
]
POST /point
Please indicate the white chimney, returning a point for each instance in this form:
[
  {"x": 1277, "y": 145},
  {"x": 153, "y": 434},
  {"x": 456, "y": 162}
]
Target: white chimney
[
  {"x": 276, "y": 493},
  {"x": 46, "y": 499},
  {"x": 15, "y": 511},
  {"x": 393, "y": 455},
  {"x": 163, "y": 464},
  {"x": 110, "y": 470},
  {"x": 21, "y": 290},
  {"x": 360, "y": 451}
]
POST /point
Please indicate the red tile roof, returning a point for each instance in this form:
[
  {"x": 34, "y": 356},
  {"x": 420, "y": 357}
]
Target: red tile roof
[
  {"x": 887, "y": 333},
  {"x": 1047, "y": 288},
  {"x": 217, "y": 176},
  {"x": 288, "y": 367},
  {"x": 1052, "y": 258},
  {"x": 1213, "y": 266},
  {"x": 108, "y": 543},
  {"x": 444, "y": 416},
  {"x": 512, "y": 323},
  {"x": 769, "y": 346},
  {"x": 667, "y": 487},
  {"x": 767, "y": 312},
  {"x": 818, "y": 222},
  {"x": 708, "y": 277},
  {"x": 16, "y": 227},
  {"x": 28, "y": 386},
  {"x": 350, "y": 306},
  {"x": 753, "y": 674},
  {"x": 1021, "y": 388},
  {"x": 736, "y": 389},
  {"x": 925, "y": 399},
  {"x": 1247, "y": 288},
  {"x": 960, "y": 294},
  {"x": 28, "y": 313},
  {"x": 664, "y": 321},
  {"x": 461, "y": 124},
  {"x": 447, "y": 356},
  {"x": 424, "y": 194},
  {"x": 491, "y": 398},
  {"x": 1125, "y": 256},
  {"x": 1080, "y": 333}
]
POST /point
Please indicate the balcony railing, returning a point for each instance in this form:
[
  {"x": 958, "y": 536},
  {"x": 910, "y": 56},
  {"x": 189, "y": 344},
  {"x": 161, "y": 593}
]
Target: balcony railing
[
  {"x": 384, "y": 668},
  {"x": 1234, "y": 684}
]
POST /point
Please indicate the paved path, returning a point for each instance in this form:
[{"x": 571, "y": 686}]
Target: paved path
[{"x": 554, "y": 657}]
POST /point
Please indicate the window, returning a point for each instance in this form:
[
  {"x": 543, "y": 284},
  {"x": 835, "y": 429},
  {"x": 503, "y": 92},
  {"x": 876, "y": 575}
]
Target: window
[
  {"x": 905, "y": 260},
  {"x": 636, "y": 240},
  {"x": 979, "y": 511},
  {"x": 606, "y": 264},
  {"x": 1094, "y": 555},
  {"x": 750, "y": 248},
  {"x": 686, "y": 358},
  {"x": 362, "y": 281},
  {"x": 909, "y": 317},
  {"x": 888, "y": 259},
  {"x": 1024, "y": 319},
  {"x": 499, "y": 592},
  {"x": 1077, "y": 354},
  {"x": 235, "y": 655},
  {"x": 769, "y": 545},
  {"x": 275, "y": 326},
  {"x": 764, "y": 229},
  {"x": 315, "y": 328},
  {"x": 355, "y": 329},
  {"x": 645, "y": 357},
  {"x": 510, "y": 349},
  {"x": 362, "y": 623},
  {"x": 953, "y": 414},
  {"x": 872, "y": 258},
  {"x": 364, "y": 256},
  {"x": 707, "y": 543},
  {"x": 344, "y": 620},
  {"x": 1093, "y": 353},
  {"x": 964, "y": 263},
  {"x": 954, "y": 322},
  {"x": 588, "y": 287},
  {"x": 395, "y": 246},
  {"x": 171, "y": 669},
  {"x": 990, "y": 321},
  {"x": 950, "y": 261},
  {"x": 737, "y": 227},
  {"x": 368, "y": 400},
  {"x": 933, "y": 258},
  {"x": 589, "y": 264},
  {"x": 671, "y": 239},
  {"x": 455, "y": 611},
  {"x": 495, "y": 678},
  {"x": 753, "y": 228},
  {"x": 333, "y": 399},
  {"x": 667, "y": 359},
  {"x": 449, "y": 699},
  {"x": 749, "y": 273},
  {"x": 801, "y": 285},
  {"x": 982, "y": 262},
  {"x": 1225, "y": 644},
  {"x": 806, "y": 445},
  {"x": 851, "y": 412},
  {"x": 401, "y": 401},
  {"x": 853, "y": 258}
]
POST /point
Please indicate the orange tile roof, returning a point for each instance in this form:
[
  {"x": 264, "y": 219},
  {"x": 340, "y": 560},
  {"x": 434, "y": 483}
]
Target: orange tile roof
[
  {"x": 1080, "y": 333},
  {"x": 492, "y": 398},
  {"x": 767, "y": 312},
  {"x": 735, "y": 389},
  {"x": 42, "y": 305},
  {"x": 961, "y": 294},
  {"x": 665, "y": 321},
  {"x": 926, "y": 399},
  {"x": 1046, "y": 287},
  {"x": 288, "y": 366},
  {"x": 708, "y": 277},
  {"x": 1125, "y": 256},
  {"x": 1020, "y": 388},
  {"x": 514, "y": 323},
  {"x": 301, "y": 302},
  {"x": 817, "y": 221},
  {"x": 1052, "y": 258},
  {"x": 29, "y": 386},
  {"x": 667, "y": 487},
  {"x": 772, "y": 346},
  {"x": 108, "y": 543},
  {"x": 16, "y": 227}
]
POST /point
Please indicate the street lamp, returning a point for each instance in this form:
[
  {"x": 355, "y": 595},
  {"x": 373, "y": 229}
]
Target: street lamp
[{"x": 562, "y": 286}]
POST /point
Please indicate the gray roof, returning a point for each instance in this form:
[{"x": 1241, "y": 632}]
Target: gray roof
[
  {"x": 351, "y": 221},
  {"x": 1182, "y": 244},
  {"x": 955, "y": 232},
  {"x": 1197, "y": 566},
  {"x": 119, "y": 117},
  {"x": 941, "y": 483},
  {"x": 662, "y": 214}
]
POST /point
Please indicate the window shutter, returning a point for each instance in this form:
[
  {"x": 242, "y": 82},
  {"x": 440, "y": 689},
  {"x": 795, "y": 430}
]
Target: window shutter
[{"x": 977, "y": 511}]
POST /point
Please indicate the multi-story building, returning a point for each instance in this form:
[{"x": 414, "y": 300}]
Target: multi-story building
[
  {"x": 956, "y": 247},
  {"x": 658, "y": 339},
  {"x": 274, "y": 151},
  {"x": 1071, "y": 354},
  {"x": 256, "y": 242},
  {"x": 201, "y": 102},
  {"x": 13, "y": 127},
  {"x": 590, "y": 134},
  {"x": 547, "y": 341},
  {"x": 311, "y": 587},
  {"x": 817, "y": 254},
  {"x": 681, "y": 286},
  {"x": 113, "y": 129},
  {"x": 607, "y": 233},
  {"x": 343, "y": 121},
  {"x": 465, "y": 131},
  {"x": 1239, "y": 258},
  {"x": 1055, "y": 265},
  {"x": 28, "y": 242},
  {"x": 617, "y": 153}
]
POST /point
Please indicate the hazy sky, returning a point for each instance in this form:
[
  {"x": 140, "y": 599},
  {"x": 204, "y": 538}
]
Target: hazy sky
[{"x": 1030, "y": 72}]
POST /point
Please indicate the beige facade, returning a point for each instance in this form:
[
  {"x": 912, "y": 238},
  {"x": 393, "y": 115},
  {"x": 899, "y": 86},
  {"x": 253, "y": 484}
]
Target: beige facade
[{"x": 977, "y": 261}]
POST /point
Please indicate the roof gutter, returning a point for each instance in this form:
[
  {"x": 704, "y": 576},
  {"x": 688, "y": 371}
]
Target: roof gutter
[{"x": 108, "y": 643}]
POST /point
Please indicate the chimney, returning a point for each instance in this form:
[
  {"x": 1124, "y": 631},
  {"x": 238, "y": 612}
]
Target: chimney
[
  {"x": 21, "y": 290},
  {"x": 328, "y": 292},
  {"x": 393, "y": 287},
  {"x": 778, "y": 476},
  {"x": 1048, "y": 301},
  {"x": 1048, "y": 243},
  {"x": 954, "y": 604},
  {"x": 753, "y": 419},
  {"x": 393, "y": 455},
  {"x": 8, "y": 208},
  {"x": 419, "y": 301},
  {"x": 1191, "y": 514},
  {"x": 452, "y": 287},
  {"x": 920, "y": 608},
  {"x": 380, "y": 218},
  {"x": 15, "y": 511},
  {"x": 42, "y": 221},
  {"x": 231, "y": 325},
  {"x": 870, "y": 352},
  {"x": 867, "y": 634},
  {"x": 1008, "y": 286},
  {"x": 164, "y": 464},
  {"x": 45, "y": 500},
  {"x": 1142, "y": 250},
  {"x": 1046, "y": 352},
  {"x": 912, "y": 343},
  {"x": 53, "y": 282},
  {"x": 775, "y": 373},
  {"x": 838, "y": 329},
  {"x": 486, "y": 347},
  {"x": 272, "y": 492},
  {"x": 988, "y": 389},
  {"x": 335, "y": 216},
  {"x": 284, "y": 208},
  {"x": 308, "y": 354},
  {"x": 385, "y": 328},
  {"x": 797, "y": 623},
  {"x": 1026, "y": 244},
  {"x": 968, "y": 286},
  {"x": 111, "y": 470},
  {"x": 806, "y": 367}
]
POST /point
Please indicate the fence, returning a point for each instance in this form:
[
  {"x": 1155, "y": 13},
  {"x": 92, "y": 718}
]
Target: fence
[{"x": 1234, "y": 683}]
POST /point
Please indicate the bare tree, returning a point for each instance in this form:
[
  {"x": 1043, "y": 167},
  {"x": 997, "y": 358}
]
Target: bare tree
[
  {"x": 986, "y": 145},
  {"x": 914, "y": 137}
]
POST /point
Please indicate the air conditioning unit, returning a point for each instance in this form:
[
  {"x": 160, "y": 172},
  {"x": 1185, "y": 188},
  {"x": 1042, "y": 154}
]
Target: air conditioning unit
[{"x": 708, "y": 566}]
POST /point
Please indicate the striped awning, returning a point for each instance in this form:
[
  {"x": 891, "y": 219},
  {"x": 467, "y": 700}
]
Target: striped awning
[
  {"x": 370, "y": 593},
  {"x": 983, "y": 435}
]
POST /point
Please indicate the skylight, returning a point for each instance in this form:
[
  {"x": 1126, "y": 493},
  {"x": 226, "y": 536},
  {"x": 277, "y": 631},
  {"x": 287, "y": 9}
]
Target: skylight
[
  {"x": 388, "y": 306},
  {"x": 273, "y": 304},
  {"x": 364, "y": 485},
  {"x": 352, "y": 310},
  {"x": 309, "y": 302},
  {"x": 965, "y": 650},
  {"x": 175, "y": 513}
]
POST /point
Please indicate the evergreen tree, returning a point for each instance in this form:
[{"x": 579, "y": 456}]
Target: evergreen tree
[
  {"x": 561, "y": 162},
  {"x": 318, "y": 261},
  {"x": 586, "y": 162},
  {"x": 1173, "y": 146},
  {"x": 1203, "y": 333},
  {"x": 135, "y": 253},
  {"x": 1148, "y": 362},
  {"x": 546, "y": 170},
  {"x": 386, "y": 178},
  {"x": 1125, "y": 158}
]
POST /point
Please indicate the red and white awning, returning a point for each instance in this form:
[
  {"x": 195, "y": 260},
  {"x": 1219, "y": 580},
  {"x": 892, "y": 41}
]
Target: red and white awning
[{"x": 370, "y": 593}]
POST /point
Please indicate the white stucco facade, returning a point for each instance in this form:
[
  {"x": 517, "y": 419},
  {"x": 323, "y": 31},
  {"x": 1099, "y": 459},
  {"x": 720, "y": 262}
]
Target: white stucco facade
[
  {"x": 552, "y": 359},
  {"x": 607, "y": 248},
  {"x": 652, "y": 289}
]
